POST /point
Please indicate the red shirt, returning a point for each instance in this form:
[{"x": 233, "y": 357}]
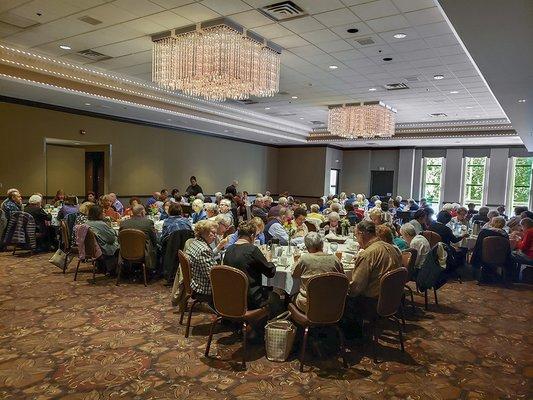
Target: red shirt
[{"x": 526, "y": 244}]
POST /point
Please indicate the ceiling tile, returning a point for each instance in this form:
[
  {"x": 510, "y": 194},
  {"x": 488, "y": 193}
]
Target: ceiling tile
[
  {"x": 172, "y": 3},
  {"x": 251, "y": 19},
  {"x": 426, "y": 16},
  {"x": 441, "y": 41},
  {"x": 272, "y": 31},
  {"x": 321, "y": 36},
  {"x": 226, "y": 7},
  {"x": 409, "y": 45},
  {"x": 413, "y": 5},
  {"x": 361, "y": 26},
  {"x": 140, "y": 8},
  {"x": 169, "y": 20},
  {"x": 449, "y": 50},
  {"x": 8, "y": 29},
  {"x": 9, "y": 4},
  {"x": 196, "y": 12},
  {"x": 336, "y": 45},
  {"x": 291, "y": 41},
  {"x": 394, "y": 22},
  {"x": 338, "y": 17},
  {"x": 301, "y": 25},
  {"x": 318, "y": 6},
  {"x": 126, "y": 47},
  {"x": 348, "y": 55},
  {"x": 309, "y": 50},
  {"x": 375, "y": 9}
]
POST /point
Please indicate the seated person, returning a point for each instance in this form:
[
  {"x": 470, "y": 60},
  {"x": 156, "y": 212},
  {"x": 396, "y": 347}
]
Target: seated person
[
  {"x": 501, "y": 211},
  {"x": 353, "y": 216},
  {"x": 139, "y": 221},
  {"x": 377, "y": 216},
  {"x": 332, "y": 225},
  {"x": 224, "y": 208},
  {"x": 419, "y": 221},
  {"x": 481, "y": 216},
  {"x": 69, "y": 207},
  {"x": 311, "y": 264},
  {"x": 376, "y": 259},
  {"x": 223, "y": 223},
  {"x": 258, "y": 209},
  {"x": 199, "y": 213},
  {"x": 81, "y": 218},
  {"x": 495, "y": 229},
  {"x": 411, "y": 205},
  {"x": 105, "y": 236},
  {"x": 163, "y": 211},
  {"x": 460, "y": 217},
  {"x": 260, "y": 227},
  {"x": 274, "y": 229},
  {"x": 440, "y": 226},
  {"x": 201, "y": 257},
  {"x": 211, "y": 210},
  {"x": 90, "y": 198},
  {"x": 523, "y": 253},
  {"x": 109, "y": 211},
  {"x": 385, "y": 233},
  {"x": 153, "y": 200},
  {"x": 471, "y": 211},
  {"x": 298, "y": 222},
  {"x": 175, "y": 221},
  {"x": 248, "y": 258},
  {"x": 59, "y": 198},
  {"x": 315, "y": 213},
  {"x": 128, "y": 212},
  {"x": 12, "y": 203},
  {"x": 43, "y": 231},
  {"x": 116, "y": 204},
  {"x": 417, "y": 242},
  {"x": 491, "y": 214}
]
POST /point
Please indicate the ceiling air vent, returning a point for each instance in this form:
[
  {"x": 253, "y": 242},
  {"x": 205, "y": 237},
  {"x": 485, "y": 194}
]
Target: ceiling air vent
[
  {"x": 247, "y": 101},
  {"x": 396, "y": 86},
  {"x": 284, "y": 11},
  {"x": 17, "y": 20},
  {"x": 365, "y": 41},
  {"x": 318, "y": 122},
  {"x": 90, "y": 20},
  {"x": 438, "y": 115},
  {"x": 93, "y": 55}
]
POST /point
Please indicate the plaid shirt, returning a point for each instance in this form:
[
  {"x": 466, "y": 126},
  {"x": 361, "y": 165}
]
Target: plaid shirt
[{"x": 201, "y": 258}]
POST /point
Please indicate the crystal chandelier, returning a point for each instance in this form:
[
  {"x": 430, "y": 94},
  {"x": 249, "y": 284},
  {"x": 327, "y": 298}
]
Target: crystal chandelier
[
  {"x": 366, "y": 120},
  {"x": 216, "y": 60}
]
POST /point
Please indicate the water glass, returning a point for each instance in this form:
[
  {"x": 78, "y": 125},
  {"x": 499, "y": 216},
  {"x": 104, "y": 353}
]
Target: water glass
[{"x": 333, "y": 247}]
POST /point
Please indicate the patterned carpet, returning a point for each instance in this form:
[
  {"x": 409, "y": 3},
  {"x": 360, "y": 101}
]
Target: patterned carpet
[{"x": 61, "y": 339}]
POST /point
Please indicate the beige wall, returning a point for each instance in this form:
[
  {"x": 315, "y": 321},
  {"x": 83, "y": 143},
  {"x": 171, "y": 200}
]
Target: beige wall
[
  {"x": 65, "y": 169},
  {"x": 301, "y": 170},
  {"x": 143, "y": 158}
]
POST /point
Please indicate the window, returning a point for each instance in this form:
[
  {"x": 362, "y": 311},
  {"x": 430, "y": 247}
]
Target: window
[
  {"x": 334, "y": 181},
  {"x": 474, "y": 186},
  {"x": 432, "y": 181},
  {"x": 521, "y": 181}
]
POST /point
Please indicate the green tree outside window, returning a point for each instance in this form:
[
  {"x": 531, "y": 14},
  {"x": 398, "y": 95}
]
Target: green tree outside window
[
  {"x": 475, "y": 168},
  {"x": 432, "y": 182},
  {"x": 521, "y": 181}
]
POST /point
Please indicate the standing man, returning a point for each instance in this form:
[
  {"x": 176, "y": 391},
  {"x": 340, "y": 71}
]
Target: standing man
[
  {"x": 193, "y": 189},
  {"x": 232, "y": 189}
]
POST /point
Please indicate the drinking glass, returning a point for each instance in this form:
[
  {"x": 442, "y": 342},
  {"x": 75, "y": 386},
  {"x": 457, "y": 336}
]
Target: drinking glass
[{"x": 333, "y": 247}]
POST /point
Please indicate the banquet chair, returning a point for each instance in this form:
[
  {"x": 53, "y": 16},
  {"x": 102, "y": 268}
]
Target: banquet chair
[
  {"x": 326, "y": 296},
  {"x": 495, "y": 252},
  {"x": 389, "y": 302},
  {"x": 66, "y": 243},
  {"x": 310, "y": 226},
  {"x": 432, "y": 237},
  {"x": 188, "y": 293},
  {"x": 132, "y": 249},
  {"x": 230, "y": 298},
  {"x": 90, "y": 245},
  {"x": 408, "y": 262}
]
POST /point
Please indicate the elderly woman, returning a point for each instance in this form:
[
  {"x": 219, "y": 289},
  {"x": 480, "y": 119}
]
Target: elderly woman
[
  {"x": 224, "y": 208},
  {"x": 44, "y": 232},
  {"x": 201, "y": 257},
  {"x": 59, "y": 198},
  {"x": 81, "y": 217},
  {"x": 221, "y": 241},
  {"x": 298, "y": 222},
  {"x": 332, "y": 224},
  {"x": 105, "y": 236},
  {"x": 199, "y": 214},
  {"x": 460, "y": 217},
  {"x": 246, "y": 257},
  {"x": 311, "y": 264},
  {"x": 211, "y": 210},
  {"x": 109, "y": 211},
  {"x": 315, "y": 213},
  {"x": 490, "y": 215},
  {"x": 481, "y": 216},
  {"x": 417, "y": 242},
  {"x": 376, "y": 216},
  {"x": 69, "y": 207}
]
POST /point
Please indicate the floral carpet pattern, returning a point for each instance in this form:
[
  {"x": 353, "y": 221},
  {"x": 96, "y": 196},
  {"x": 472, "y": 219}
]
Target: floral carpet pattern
[{"x": 61, "y": 339}]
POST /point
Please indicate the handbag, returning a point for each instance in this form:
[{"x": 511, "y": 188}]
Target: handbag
[
  {"x": 59, "y": 258},
  {"x": 279, "y": 337}
]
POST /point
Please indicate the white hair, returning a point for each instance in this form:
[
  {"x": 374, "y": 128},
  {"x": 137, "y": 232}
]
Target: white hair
[
  {"x": 210, "y": 206},
  {"x": 283, "y": 201},
  {"x": 223, "y": 219},
  {"x": 35, "y": 199},
  {"x": 447, "y": 207},
  {"x": 200, "y": 196},
  {"x": 197, "y": 204},
  {"x": 408, "y": 229},
  {"x": 218, "y": 194},
  {"x": 313, "y": 240},
  {"x": 226, "y": 202},
  {"x": 334, "y": 216}
]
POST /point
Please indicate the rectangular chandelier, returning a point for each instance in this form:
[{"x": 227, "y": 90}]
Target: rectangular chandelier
[
  {"x": 216, "y": 60},
  {"x": 366, "y": 120}
]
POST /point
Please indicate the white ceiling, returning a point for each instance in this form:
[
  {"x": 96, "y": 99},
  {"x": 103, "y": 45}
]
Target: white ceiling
[{"x": 311, "y": 44}]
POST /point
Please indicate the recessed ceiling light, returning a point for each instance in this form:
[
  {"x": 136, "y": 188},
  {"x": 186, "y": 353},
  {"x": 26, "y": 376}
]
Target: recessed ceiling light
[
  {"x": 64, "y": 47},
  {"x": 400, "y": 35},
  {"x": 301, "y": 117},
  {"x": 267, "y": 108},
  {"x": 454, "y": 92},
  {"x": 87, "y": 104},
  {"x": 294, "y": 97},
  {"x": 469, "y": 107},
  {"x": 168, "y": 119},
  {"x": 225, "y": 130},
  {"x": 387, "y": 59},
  {"x": 438, "y": 77},
  {"x": 522, "y": 100},
  {"x": 333, "y": 67},
  {"x": 372, "y": 89},
  {"x": 352, "y": 30}
]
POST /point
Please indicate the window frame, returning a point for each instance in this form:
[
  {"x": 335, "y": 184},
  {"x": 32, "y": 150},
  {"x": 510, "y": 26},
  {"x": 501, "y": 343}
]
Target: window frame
[
  {"x": 336, "y": 186},
  {"x": 465, "y": 185},
  {"x": 425, "y": 166},
  {"x": 512, "y": 186}
]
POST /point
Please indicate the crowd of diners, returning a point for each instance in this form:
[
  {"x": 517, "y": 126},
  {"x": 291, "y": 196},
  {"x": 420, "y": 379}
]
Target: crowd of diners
[{"x": 228, "y": 227}]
